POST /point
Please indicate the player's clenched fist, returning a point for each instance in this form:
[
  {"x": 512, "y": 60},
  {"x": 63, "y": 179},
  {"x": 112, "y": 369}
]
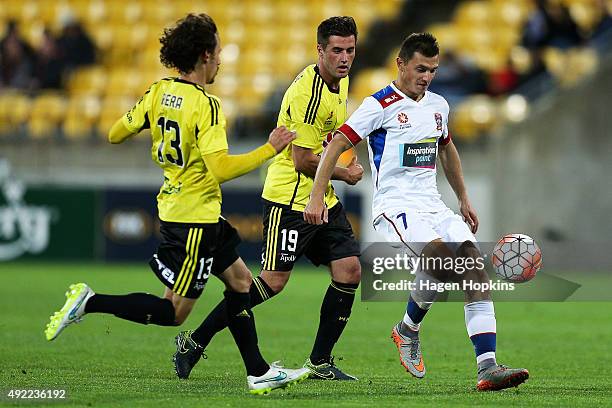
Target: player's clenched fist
[
  {"x": 354, "y": 172},
  {"x": 280, "y": 138}
]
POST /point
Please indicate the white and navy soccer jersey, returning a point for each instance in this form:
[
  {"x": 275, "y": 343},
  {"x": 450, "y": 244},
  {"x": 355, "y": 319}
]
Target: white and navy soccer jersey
[{"x": 403, "y": 138}]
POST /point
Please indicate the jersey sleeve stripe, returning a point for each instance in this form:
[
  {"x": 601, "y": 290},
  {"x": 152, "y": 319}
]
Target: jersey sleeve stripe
[
  {"x": 315, "y": 100},
  {"x": 216, "y": 102},
  {"x": 314, "y": 113},
  {"x": 213, "y": 110},
  {"x": 350, "y": 134},
  {"x": 312, "y": 96}
]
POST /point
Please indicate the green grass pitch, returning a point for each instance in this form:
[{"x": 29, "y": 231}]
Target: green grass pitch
[{"x": 104, "y": 361}]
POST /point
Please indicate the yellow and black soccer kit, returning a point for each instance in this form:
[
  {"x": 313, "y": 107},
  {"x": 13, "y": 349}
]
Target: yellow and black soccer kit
[
  {"x": 187, "y": 124},
  {"x": 314, "y": 111}
]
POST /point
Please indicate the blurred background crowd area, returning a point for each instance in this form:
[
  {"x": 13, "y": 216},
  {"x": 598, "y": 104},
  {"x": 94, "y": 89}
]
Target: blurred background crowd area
[{"x": 69, "y": 69}]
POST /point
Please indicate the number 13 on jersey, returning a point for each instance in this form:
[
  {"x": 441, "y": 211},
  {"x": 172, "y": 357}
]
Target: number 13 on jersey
[{"x": 175, "y": 154}]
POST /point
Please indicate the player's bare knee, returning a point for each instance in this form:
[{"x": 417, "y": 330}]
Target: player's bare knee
[
  {"x": 437, "y": 253},
  {"x": 346, "y": 270},
  {"x": 352, "y": 274},
  {"x": 240, "y": 284},
  {"x": 275, "y": 280},
  {"x": 468, "y": 250}
]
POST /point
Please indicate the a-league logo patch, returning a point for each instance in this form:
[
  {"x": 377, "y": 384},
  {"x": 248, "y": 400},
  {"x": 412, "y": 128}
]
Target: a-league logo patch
[
  {"x": 438, "y": 117},
  {"x": 402, "y": 118}
]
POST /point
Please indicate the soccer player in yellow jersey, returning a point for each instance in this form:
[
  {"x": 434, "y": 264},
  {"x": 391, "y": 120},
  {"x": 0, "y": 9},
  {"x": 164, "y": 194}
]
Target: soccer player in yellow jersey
[
  {"x": 314, "y": 106},
  {"x": 190, "y": 145}
]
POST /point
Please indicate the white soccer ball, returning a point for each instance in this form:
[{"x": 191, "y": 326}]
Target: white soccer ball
[{"x": 516, "y": 258}]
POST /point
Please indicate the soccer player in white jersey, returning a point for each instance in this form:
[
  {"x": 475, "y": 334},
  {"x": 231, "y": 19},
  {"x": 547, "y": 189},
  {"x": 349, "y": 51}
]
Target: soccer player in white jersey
[{"x": 407, "y": 130}]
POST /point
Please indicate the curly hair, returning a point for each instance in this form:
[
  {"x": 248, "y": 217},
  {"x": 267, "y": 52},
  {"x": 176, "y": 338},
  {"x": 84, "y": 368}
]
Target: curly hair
[
  {"x": 341, "y": 26},
  {"x": 183, "y": 44},
  {"x": 423, "y": 43}
]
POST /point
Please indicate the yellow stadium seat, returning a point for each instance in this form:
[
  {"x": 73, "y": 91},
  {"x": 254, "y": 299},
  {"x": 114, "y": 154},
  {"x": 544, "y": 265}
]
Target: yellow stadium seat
[
  {"x": 123, "y": 81},
  {"x": 32, "y": 32},
  {"x": 102, "y": 36},
  {"x": 586, "y": 14},
  {"x": 521, "y": 59},
  {"x": 261, "y": 12},
  {"x": 473, "y": 13},
  {"x": 112, "y": 109},
  {"x": 294, "y": 58},
  {"x": 581, "y": 63},
  {"x": 252, "y": 93},
  {"x": 88, "y": 80},
  {"x": 555, "y": 61},
  {"x": 160, "y": 13},
  {"x": 14, "y": 110},
  {"x": 254, "y": 60},
  {"x": 120, "y": 11},
  {"x": 474, "y": 116},
  {"x": 446, "y": 34},
  {"x": 369, "y": 81},
  {"x": 225, "y": 87},
  {"x": 81, "y": 113},
  {"x": 12, "y": 10},
  {"x": 492, "y": 60},
  {"x": 389, "y": 8},
  {"x": 293, "y": 13},
  {"x": 511, "y": 13},
  {"x": 474, "y": 39},
  {"x": 48, "y": 111}
]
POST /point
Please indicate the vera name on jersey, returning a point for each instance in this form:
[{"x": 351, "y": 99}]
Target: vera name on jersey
[{"x": 171, "y": 101}]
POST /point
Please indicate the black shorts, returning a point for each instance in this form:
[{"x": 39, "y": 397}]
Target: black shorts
[
  {"x": 287, "y": 236},
  {"x": 189, "y": 253}
]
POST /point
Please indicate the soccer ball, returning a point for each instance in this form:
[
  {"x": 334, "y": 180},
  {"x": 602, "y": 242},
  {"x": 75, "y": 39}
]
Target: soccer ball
[{"x": 516, "y": 258}]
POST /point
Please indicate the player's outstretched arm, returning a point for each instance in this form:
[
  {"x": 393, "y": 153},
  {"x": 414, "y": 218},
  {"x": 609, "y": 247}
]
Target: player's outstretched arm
[
  {"x": 315, "y": 211},
  {"x": 451, "y": 163},
  {"x": 225, "y": 167},
  {"x": 119, "y": 133}
]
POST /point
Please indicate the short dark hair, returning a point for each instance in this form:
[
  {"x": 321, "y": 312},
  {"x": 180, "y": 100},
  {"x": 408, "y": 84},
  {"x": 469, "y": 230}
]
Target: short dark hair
[
  {"x": 343, "y": 26},
  {"x": 423, "y": 43},
  {"x": 183, "y": 44}
]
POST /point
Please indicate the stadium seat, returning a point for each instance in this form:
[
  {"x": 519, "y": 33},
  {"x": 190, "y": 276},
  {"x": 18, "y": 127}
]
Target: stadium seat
[
  {"x": 88, "y": 80},
  {"x": 123, "y": 81},
  {"x": 369, "y": 81},
  {"x": 48, "y": 111},
  {"x": 461, "y": 124},
  {"x": 511, "y": 13},
  {"x": 113, "y": 107},
  {"x": 446, "y": 34},
  {"x": 14, "y": 110},
  {"x": 521, "y": 60},
  {"x": 81, "y": 114},
  {"x": 585, "y": 13},
  {"x": 117, "y": 11},
  {"x": 473, "y": 13}
]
